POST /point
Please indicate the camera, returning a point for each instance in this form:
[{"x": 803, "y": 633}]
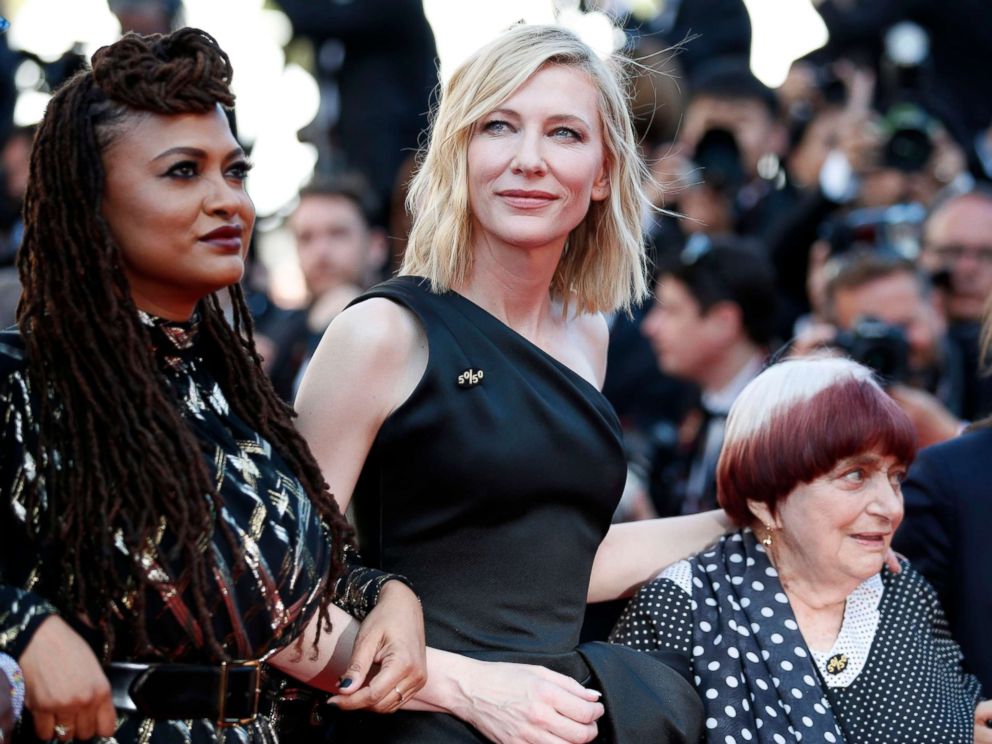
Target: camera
[
  {"x": 878, "y": 345},
  {"x": 718, "y": 156},
  {"x": 905, "y": 81},
  {"x": 896, "y": 229},
  {"x": 909, "y": 138}
]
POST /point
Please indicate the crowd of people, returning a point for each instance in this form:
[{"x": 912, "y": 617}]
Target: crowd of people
[{"x": 602, "y": 420}]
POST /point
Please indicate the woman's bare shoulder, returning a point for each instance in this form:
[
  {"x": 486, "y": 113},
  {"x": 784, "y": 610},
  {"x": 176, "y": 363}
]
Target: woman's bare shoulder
[
  {"x": 592, "y": 327},
  {"x": 378, "y": 324},
  {"x": 376, "y": 345},
  {"x": 592, "y": 334}
]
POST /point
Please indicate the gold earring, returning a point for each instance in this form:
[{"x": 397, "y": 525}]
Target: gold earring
[{"x": 767, "y": 539}]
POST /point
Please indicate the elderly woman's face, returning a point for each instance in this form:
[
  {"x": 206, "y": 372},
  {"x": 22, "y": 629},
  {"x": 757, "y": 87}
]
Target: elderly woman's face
[
  {"x": 537, "y": 161},
  {"x": 837, "y": 529},
  {"x": 175, "y": 203}
]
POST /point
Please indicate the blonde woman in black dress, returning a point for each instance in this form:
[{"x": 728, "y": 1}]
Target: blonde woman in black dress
[{"x": 457, "y": 408}]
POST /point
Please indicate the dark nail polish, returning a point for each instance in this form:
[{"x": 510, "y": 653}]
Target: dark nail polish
[{"x": 345, "y": 683}]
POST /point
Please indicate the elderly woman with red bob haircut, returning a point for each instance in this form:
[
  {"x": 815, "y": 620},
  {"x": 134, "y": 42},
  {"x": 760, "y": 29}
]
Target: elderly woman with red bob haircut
[{"x": 797, "y": 629}]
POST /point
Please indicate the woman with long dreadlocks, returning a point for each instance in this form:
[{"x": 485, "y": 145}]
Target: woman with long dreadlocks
[{"x": 161, "y": 509}]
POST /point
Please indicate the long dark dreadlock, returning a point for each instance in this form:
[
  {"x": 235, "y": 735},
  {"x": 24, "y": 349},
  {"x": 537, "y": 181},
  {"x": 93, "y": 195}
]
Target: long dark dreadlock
[{"x": 119, "y": 458}]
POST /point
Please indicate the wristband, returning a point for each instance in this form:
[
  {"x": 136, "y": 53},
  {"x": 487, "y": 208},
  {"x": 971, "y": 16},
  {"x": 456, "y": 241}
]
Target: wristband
[{"x": 357, "y": 590}]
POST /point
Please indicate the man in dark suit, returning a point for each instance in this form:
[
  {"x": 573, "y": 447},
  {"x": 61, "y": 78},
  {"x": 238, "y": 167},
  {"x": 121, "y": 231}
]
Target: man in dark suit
[
  {"x": 712, "y": 324},
  {"x": 341, "y": 254},
  {"x": 957, "y": 249},
  {"x": 945, "y": 534}
]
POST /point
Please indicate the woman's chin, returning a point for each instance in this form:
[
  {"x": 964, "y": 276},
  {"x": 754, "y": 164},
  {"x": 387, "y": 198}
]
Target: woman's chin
[{"x": 867, "y": 566}]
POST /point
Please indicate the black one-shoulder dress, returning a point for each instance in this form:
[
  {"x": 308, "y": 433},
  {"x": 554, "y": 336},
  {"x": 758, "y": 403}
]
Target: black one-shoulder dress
[{"x": 491, "y": 489}]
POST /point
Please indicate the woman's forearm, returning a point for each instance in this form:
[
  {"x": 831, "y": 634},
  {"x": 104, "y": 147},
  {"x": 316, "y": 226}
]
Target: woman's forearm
[
  {"x": 508, "y": 702},
  {"x": 504, "y": 702},
  {"x": 321, "y": 668},
  {"x": 444, "y": 691},
  {"x": 635, "y": 552}
]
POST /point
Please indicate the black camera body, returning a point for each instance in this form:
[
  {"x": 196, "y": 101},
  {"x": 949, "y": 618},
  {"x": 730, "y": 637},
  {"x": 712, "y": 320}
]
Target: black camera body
[
  {"x": 718, "y": 156},
  {"x": 896, "y": 230},
  {"x": 878, "y": 345},
  {"x": 908, "y": 132}
]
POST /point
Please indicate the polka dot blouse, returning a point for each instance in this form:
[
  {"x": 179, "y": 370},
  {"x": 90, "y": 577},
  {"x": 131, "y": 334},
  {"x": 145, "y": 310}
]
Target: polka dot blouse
[{"x": 893, "y": 675}]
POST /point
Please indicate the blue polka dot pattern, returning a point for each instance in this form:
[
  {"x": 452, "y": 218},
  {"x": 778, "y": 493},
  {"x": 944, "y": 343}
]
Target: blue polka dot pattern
[{"x": 758, "y": 679}]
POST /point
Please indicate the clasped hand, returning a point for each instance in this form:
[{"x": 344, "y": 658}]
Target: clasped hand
[
  {"x": 66, "y": 691},
  {"x": 388, "y": 664},
  {"x": 514, "y": 703}
]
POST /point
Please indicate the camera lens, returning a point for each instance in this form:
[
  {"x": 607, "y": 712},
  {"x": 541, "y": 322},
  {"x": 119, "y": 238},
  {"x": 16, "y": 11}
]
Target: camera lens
[
  {"x": 908, "y": 149},
  {"x": 719, "y": 158}
]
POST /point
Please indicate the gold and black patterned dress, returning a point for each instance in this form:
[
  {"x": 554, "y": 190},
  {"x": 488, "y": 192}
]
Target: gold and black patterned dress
[{"x": 287, "y": 547}]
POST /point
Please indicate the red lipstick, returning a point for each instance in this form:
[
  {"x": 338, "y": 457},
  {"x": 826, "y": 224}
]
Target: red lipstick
[{"x": 227, "y": 237}]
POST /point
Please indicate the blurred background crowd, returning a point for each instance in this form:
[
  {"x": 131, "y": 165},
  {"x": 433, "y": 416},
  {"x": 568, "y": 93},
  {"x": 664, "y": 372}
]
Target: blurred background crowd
[{"x": 818, "y": 169}]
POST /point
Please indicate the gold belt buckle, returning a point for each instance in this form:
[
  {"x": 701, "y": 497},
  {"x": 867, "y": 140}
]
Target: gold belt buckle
[{"x": 222, "y": 720}]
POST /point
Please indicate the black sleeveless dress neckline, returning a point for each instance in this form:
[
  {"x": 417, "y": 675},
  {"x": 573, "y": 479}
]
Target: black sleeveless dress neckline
[
  {"x": 475, "y": 307},
  {"x": 490, "y": 495}
]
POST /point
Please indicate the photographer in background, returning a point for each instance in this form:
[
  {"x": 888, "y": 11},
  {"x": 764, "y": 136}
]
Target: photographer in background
[
  {"x": 879, "y": 310},
  {"x": 959, "y": 49},
  {"x": 376, "y": 64},
  {"x": 712, "y": 324},
  {"x": 957, "y": 252},
  {"x": 341, "y": 254},
  {"x": 847, "y": 157},
  {"x": 957, "y": 242},
  {"x": 732, "y": 137}
]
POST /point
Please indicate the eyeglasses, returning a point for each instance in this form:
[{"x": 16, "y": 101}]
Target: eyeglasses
[{"x": 953, "y": 253}]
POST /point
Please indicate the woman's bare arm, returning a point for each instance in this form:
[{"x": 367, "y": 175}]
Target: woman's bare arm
[
  {"x": 368, "y": 362},
  {"x": 390, "y": 641},
  {"x": 506, "y": 702},
  {"x": 635, "y": 552}
]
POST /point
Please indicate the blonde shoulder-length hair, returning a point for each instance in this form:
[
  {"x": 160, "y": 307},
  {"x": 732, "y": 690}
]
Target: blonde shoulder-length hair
[{"x": 603, "y": 267}]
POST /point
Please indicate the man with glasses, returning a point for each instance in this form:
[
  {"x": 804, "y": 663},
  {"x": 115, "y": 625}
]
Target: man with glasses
[
  {"x": 957, "y": 252},
  {"x": 958, "y": 246}
]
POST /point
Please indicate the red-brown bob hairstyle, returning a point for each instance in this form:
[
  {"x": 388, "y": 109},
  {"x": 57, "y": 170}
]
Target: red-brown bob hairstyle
[{"x": 795, "y": 421}]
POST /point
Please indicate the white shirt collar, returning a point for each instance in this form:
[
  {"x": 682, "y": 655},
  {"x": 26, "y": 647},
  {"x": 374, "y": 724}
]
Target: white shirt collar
[
  {"x": 720, "y": 401},
  {"x": 842, "y": 664}
]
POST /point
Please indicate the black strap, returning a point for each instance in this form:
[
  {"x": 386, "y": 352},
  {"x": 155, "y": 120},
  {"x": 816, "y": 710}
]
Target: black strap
[{"x": 187, "y": 691}]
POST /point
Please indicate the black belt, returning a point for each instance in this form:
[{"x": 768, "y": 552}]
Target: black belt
[{"x": 227, "y": 694}]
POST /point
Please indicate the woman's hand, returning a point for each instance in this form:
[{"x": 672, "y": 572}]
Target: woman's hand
[
  {"x": 389, "y": 663},
  {"x": 524, "y": 703},
  {"x": 983, "y": 715},
  {"x": 65, "y": 689},
  {"x": 892, "y": 561}
]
